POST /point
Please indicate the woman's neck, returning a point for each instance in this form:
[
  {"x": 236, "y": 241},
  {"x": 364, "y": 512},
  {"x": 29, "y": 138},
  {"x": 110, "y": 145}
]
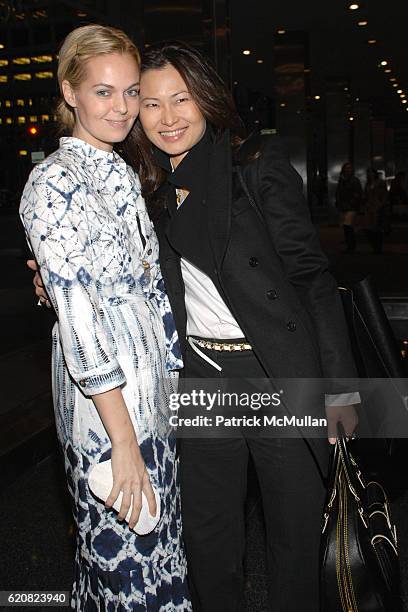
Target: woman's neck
[{"x": 176, "y": 159}]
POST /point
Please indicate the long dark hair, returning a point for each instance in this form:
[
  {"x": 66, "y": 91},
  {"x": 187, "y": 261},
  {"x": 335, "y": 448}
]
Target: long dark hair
[{"x": 209, "y": 92}]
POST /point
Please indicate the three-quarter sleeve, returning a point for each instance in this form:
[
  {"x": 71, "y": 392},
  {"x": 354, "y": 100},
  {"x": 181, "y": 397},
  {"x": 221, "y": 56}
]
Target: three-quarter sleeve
[{"x": 53, "y": 212}]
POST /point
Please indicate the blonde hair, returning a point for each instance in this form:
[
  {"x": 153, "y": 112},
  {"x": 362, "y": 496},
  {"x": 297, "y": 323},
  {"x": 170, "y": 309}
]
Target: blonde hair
[{"x": 79, "y": 46}]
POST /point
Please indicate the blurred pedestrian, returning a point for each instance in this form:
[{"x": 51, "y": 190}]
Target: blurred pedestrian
[
  {"x": 376, "y": 201},
  {"x": 348, "y": 201}
]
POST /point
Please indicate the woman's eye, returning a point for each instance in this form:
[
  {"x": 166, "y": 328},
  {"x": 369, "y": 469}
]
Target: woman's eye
[
  {"x": 133, "y": 93},
  {"x": 151, "y": 105},
  {"x": 182, "y": 99},
  {"x": 102, "y": 92}
]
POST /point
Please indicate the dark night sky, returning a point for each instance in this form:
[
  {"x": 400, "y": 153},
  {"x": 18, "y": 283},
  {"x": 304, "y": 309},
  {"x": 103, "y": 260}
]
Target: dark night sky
[{"x": 338, "y": 47}]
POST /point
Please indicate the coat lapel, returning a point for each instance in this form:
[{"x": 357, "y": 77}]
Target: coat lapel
[{"x": 218, "y": 199}]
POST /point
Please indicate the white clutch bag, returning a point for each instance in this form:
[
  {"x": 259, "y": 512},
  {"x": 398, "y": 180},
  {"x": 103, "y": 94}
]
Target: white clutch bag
[{"x": 100, "y": 482}]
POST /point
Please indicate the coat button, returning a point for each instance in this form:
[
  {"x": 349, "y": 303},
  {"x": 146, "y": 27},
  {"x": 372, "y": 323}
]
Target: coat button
[
  {"x": 82, "y": 383},
  {"x": 272, "y": 294},
  {"x": 253, "y": 262},
  {"x": 291, "y": 325}
]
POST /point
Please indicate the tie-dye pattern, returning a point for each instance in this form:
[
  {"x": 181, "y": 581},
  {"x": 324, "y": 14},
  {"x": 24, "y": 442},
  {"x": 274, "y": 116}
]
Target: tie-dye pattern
[{"x": 115, "y": 327}]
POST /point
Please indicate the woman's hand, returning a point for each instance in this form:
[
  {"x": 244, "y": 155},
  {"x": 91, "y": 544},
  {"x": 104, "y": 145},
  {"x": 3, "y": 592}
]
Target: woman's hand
[
  {"x": 346, "y": 415},
  {"x": 130, "y": 476},
  {"x": 38, "y": 284},
  {"x": 128, "y": 469}
]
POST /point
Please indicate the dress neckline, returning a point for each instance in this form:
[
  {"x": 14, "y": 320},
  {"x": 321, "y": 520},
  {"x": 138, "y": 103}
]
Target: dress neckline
[{"x": 90, "y": 151}]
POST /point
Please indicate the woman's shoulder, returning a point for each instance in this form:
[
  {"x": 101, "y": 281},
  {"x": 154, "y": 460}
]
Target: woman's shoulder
[
  {"x": 56, "y": 166},
  {"x": 133, "y": 176},
  {"x": 51, "y": 183},
  {"x": 260, "y": 144}
]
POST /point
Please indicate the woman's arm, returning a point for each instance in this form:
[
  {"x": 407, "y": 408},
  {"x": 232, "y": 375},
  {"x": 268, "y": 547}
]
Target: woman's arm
[
  {"x": 128, "y": 468},
  {"x": 38, "y": 284},
  {"x": 280, "y": 192},
  {"x": 53, "y": 214}
]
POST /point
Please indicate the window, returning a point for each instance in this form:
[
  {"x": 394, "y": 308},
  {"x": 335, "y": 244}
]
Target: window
[
  {"x": 23, "y": 152},
  {"x": 45, "y": 118},
  {"x": 21, "y": 61},
  {"x": 3, "y": 62},
  {"x": 22, "y": 76},
  {"x": 41, "y": 59},
  {"x": 44, "y": 75},
  {"x": 7, "y": 103},
  {"x": 33, "y": 118},
  {"x": 19, "y": 102},
  {"x": 21, "y": 120},
  {"x": 40, "y": 14},
  {"x": 3, "y": 78},
  {"x": 9, "y": 120}
]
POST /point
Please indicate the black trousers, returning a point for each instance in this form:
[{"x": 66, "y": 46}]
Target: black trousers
[{"x": 213, "y": 490}]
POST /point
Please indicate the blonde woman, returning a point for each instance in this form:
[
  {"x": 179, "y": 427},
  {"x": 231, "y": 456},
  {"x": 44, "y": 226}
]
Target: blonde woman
[{"x": 115, "y": 347}]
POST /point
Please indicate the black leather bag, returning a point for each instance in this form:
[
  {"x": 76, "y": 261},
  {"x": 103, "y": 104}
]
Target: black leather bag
[
  {"x": 385, "y": 414},
  {"x": 374, "y": 346},
  {"x": 359, "y": 558}
]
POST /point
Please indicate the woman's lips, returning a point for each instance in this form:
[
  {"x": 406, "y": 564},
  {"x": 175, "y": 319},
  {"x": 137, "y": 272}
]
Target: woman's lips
[
  {"x": 121, "y": 123},
  {"x": 173, "y": 135}
]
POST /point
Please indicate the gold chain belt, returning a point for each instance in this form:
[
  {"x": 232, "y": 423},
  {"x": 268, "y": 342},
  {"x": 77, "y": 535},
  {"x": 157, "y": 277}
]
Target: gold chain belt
[{"x": 223, "y": 346}]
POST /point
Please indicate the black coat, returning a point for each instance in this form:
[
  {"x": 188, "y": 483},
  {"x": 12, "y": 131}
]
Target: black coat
[{"x": 273, "y": 274}]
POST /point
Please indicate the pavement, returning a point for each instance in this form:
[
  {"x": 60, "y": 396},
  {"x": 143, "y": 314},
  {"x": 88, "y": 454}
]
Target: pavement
[{"x": 36, "y": 531}]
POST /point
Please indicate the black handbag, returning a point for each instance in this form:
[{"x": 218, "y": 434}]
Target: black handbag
[
  {"x": 373, "y": 342},
  {"x": 376, "y": 355},
  {"x": 359, "y": 558}
]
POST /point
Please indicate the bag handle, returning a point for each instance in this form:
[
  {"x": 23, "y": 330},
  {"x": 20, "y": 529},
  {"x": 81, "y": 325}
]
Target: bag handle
[
  {"x": 351, "y": 470},
  {"x": 342, "y": 463},
  {"x": 251, "y": 199}
]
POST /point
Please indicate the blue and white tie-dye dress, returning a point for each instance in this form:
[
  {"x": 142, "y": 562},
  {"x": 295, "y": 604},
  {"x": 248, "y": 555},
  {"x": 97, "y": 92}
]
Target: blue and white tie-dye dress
[{"x": 84, "y": 217}]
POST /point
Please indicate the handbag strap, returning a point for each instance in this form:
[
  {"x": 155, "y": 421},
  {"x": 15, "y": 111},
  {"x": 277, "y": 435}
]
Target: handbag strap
[
  {"x": 351, "y": 470},
  {"x": 248, "y": 194}
]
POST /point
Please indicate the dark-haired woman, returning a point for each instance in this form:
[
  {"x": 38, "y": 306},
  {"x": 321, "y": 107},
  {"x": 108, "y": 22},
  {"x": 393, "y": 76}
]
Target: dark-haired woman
[{"x": 251, "y": 300}]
